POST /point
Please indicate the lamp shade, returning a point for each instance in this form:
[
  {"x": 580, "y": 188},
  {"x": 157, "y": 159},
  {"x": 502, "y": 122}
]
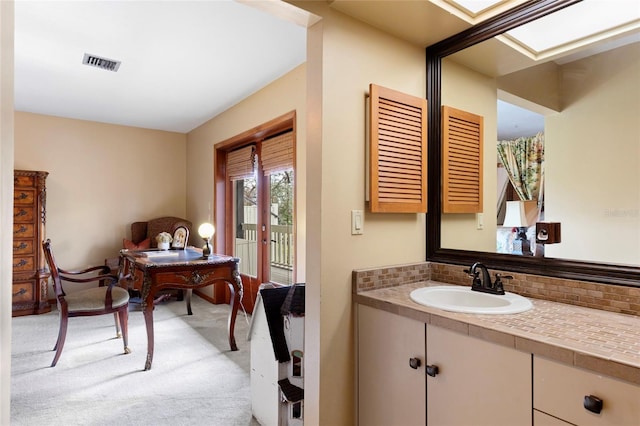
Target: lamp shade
[
  {"x": 206, "y": 230},
  {"x": 521, "y": 213}
]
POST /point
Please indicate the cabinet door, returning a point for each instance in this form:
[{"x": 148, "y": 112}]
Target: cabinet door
[
  {"x": 390, "y": 391},
  {"x": 478, "y": 383}
]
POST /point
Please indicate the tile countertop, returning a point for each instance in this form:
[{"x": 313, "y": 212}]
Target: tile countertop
[{"x": 603, "y": 342}]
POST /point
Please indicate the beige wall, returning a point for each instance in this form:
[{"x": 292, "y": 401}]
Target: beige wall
[
  {"x": 6, "y": 203},
  {"x": 280, "y": 97},
  {"x": 470, "y": 91},
  {"x": 347, "y": 56},
  {"x": 102, "y": 177},
  {"x": 596, "y": 197}
]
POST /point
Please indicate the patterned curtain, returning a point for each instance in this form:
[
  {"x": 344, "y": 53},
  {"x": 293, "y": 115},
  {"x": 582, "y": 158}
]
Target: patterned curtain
[{"x": 523, "y": 159}]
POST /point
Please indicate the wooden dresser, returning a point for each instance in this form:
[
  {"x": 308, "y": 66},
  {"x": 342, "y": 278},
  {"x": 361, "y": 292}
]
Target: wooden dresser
[{"x": 30, "y": 275}]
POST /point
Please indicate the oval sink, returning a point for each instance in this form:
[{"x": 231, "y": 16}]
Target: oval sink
[{"x": 463, "y": 299}]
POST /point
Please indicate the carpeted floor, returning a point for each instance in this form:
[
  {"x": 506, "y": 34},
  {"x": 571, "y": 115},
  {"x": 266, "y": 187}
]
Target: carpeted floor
[{"x": 195, "y": 378}]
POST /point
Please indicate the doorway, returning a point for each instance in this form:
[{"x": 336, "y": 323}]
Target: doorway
[{"x": 255, "y": 205}]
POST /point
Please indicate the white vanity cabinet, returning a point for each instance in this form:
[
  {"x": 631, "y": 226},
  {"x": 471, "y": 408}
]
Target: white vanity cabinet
[
  {"x": 477, "y": 382},
  {"x": 562, "y": 391},
  {"x": 390, "y": 391}
]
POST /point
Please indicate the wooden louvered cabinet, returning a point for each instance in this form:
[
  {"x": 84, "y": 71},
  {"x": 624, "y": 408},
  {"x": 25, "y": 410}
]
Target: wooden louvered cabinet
[
  {"x": 30, "y": 277},
  {"x": 462, "y": 152},
  {"x": 397, "y": 152}
]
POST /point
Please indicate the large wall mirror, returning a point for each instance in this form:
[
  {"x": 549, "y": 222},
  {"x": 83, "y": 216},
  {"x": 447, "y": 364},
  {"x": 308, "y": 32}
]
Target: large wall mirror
[{"x": 576, "y": 99}]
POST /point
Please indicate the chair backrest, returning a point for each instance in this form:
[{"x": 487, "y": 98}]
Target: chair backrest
[
  {"x": 151, "y": 228},
  {"x": 55, "y": 271}
]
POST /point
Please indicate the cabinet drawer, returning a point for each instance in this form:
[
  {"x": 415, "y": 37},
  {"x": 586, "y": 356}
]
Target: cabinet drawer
[
  {"x": 23, "y": 263},
  {"x": 542, "y": 419},
  {"x": 192, "y": 278},
  {"x": 23, "y": 291},
  {"x": 21, "y": 247},
  {"x": 23, "y": 214},
  {"x": 24, "y": 196},
  {"x": 24, "y": 181},
  {"x": 559, "y": 390},
  {"x": 23, "y": 230}
]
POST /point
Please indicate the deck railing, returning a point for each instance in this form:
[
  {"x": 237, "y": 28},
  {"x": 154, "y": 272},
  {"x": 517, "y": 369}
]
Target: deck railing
[{"x": 281, "y": 246}]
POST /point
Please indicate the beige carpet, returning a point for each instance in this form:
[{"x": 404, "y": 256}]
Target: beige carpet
[{"x": 195, "y": 378}]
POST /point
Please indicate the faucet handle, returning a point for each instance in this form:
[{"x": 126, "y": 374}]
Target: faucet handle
[{"x": 498, "y": 287}]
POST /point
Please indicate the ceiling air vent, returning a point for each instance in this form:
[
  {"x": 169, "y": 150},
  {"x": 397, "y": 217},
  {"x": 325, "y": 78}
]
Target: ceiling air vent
[{"x": 98, "y": 62}]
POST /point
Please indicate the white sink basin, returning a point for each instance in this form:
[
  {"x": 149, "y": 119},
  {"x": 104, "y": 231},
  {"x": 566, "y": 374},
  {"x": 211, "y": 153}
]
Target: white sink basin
[{"x": 463, "y": 299}]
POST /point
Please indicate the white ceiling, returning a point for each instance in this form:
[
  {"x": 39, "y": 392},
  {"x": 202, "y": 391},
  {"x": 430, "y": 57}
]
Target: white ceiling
[{"x": 183, "y": 62}]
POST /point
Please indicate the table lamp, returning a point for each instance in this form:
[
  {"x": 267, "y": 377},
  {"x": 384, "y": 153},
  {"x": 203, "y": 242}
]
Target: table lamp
[
  {"x": 206, "y": 231},
  {"x": 521, "y": 215}
]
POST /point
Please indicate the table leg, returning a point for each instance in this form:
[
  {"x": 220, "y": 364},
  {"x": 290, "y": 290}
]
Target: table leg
[
  {"x": 147, "y": 309},
  {"x": 236, "y": 295},
  {"x": 189, "y": 292}
]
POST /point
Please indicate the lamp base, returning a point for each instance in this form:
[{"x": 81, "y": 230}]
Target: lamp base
[
  {"x": 521, "y": 245},
  {"x": 206, "y": 249}
]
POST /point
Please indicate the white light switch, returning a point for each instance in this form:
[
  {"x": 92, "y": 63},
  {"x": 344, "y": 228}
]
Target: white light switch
[
  {"x": 357, "y": 222},
  {"x": 480, "y": 221}
]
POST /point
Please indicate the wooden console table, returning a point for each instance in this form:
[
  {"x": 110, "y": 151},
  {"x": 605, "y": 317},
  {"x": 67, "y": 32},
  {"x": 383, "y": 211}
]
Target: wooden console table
[{"x": 185, "y": 270}]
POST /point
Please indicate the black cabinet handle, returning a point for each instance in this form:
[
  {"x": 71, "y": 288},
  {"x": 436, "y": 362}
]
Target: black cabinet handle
[
  {"x": 432, "y": 370},
  {"x": 414, "y": 363},
  {"x": 593, "y": 404}
]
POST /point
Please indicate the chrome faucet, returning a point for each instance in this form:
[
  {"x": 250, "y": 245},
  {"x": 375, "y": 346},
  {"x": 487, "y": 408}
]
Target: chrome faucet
[{"x": 482, "y": 280}]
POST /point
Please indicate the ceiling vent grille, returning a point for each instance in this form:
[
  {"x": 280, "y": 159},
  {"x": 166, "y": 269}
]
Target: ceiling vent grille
[{"x": 98, "y": 62}]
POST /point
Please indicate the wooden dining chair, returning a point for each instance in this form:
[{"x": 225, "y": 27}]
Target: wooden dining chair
[{"x": 106, "y": 298}]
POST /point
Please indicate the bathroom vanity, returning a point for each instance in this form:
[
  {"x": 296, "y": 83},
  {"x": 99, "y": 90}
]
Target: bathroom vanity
[{"x": 550, "y": 365}]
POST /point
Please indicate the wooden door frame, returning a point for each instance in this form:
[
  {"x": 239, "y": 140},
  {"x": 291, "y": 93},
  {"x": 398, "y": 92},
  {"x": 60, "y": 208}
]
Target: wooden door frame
[{"x": 223, "y": 190}]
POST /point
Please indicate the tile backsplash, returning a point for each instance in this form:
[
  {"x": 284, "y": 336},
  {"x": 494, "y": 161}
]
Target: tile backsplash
[{"x": 613, "y": 298}]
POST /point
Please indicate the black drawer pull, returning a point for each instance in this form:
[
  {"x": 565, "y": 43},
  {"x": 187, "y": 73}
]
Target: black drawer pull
[
  {"x": 20, "y": 292},
  {"x": 19, "y": 264},
  {"x": 593, "y": 404},
  {"x": 414, "y": 363},
  {"x": 432, "y": 370}
]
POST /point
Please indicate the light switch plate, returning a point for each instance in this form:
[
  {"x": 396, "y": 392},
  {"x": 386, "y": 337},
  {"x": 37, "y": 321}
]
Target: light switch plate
[
  {"x": 357, "y": 222},
  {"x": 479, "y": 221}
]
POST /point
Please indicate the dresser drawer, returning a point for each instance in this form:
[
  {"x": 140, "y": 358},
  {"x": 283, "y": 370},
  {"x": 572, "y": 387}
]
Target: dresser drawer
[
  {"x": 21, "y": 247},
  {"x": 24, "y": 180},
  {"x": 560, "y": 390},
  {"x": 23, "y": 263},
  {"x": 23, "y": 214},
  {"x": 23, "y": 291},
  {"x": 24, "y": 230},
  {"x": 23, "y": 196}
]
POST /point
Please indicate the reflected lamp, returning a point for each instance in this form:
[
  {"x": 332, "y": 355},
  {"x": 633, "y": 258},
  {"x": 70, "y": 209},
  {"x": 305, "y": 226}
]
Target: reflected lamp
[
  {"x": 521, "y": 215},
  {"x": 206, "y": 231}
]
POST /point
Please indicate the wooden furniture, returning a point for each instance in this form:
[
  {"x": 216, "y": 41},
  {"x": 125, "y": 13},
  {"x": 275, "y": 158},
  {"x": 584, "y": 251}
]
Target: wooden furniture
[
  {"x": 149, "y": 229},
  {"x": 179, "y": 269},
  {"x": 99, "y": 300},
  {"x": 30, "y": 278}
]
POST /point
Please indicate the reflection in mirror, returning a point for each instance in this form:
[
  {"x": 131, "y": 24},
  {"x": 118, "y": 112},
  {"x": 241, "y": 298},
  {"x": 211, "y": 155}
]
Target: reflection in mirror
[{"x": 583, "y": 109}]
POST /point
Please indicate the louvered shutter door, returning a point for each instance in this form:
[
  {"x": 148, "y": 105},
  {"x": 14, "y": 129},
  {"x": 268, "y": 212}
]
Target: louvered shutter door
[
  {"x": 398, "y": 152},
  {"x": 240, "y": 163},
  {"x": 461, "y": 161},
  {"x": 277, "y": 153}
]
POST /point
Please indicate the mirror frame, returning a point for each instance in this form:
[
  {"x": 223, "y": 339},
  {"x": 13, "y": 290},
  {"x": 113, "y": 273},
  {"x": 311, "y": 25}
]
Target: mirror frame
[{"x": 552, "y": 267}]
